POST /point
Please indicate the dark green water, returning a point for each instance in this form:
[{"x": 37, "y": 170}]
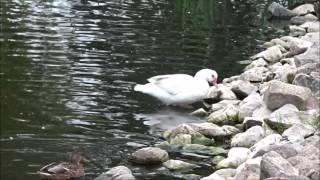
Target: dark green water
[{"x": 68, "y": 66}]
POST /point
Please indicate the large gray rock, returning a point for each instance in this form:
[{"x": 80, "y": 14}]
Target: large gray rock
[
  {"x": 297, "y": 45},
  {"x": 306, "y": 167},
  {"x": 236, "y": 156},
  {"x": 308, "y": 68},
  {"x": 178, "y": 165},
  {"x": 297, "y": 30},
  {"x": 312, "y": 26},
  {"x": 285, "y": 73},
  {"x": 302, "y": 130},
  {"x": 248, "y": 138},
  {"x": 283, "y": 118},
  {"x": 262, "y": 112},
  {"x": 274, "y": 165},
  {"x": 303, "y": 9},
  {"x": 298, "y": 20},
  {"x": 280, "y": 12},
  {"x": 117, "y": 173},
  {"x": 311, "y": 81},
  {"x": 313, "y": 37},
  {"x": 249, "y": 105},
  {"x": 280, "y": 93},
  {"x": 310, "y": 56},
  {"x": 257, "y": 63},
  {"x": 280, "y": 42},
  {"x": 242, "y": 88},
  {"x": 149, "y": 155},
  {"x": 285, "y": 150},
  {"x": 267, "y": 141},
  {"x": 256, "y": 74},
  {"x": 250, "y": 170},
  {"x": 272, "y": 54}
]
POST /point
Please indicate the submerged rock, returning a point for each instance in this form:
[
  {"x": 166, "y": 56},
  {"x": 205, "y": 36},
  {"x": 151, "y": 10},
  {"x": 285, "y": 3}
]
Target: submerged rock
[
  {"x": 201, "y": 149},
  {"x": 280, "y": 93},
  {"x": 117, "y": 173},
  {"x": 178, "y": 165},
  {"x": 149, "y": 155}
]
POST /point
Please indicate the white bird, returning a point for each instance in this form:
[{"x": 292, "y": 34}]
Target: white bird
[{"x": 179, "y": 89}]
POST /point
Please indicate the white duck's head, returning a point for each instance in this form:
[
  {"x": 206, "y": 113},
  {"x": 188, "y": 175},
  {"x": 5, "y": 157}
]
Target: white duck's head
[{"x": 209, "y": 75}]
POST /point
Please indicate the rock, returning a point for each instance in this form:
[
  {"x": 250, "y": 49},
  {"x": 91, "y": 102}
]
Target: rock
[
  {"x": 213, "y": 177},
  {"x": 308, "y": 68},
  {"x": 201, "y": 139},
  {"x": 311, "y": 81},
  {"x": 149, "y": 155},
  {"x": 230, "y": 130},
  {"x": 242, "y": 88},
  {"x": 256, "y": 63},
  {"x": 181, "y": 139},
  {"x": 180, "y": 129},
  {"x": 280, "y": 12},
  {"x": 298, "y": 20},
  {"x": 267, "y": 141},
  {"x": 288, "y": 178},
  {"x": 310, "y": 56},
  {"x": 279, "y": 94},
  {"x": 117, "y": 173},
  {"x": 206, "y": 150},
  {"x": 297, "y": 31},
  {"x": 285, "y": 73},
  {"x": 250, "y": 170},
  {"x": 313, "y": 37},
  {"x": 230, "y": 79},
  {"x": 283, "y": 118},
  {"x": 227, "y": 115},
  {"x": 200, "y": 113},
  {"x": 272, "y": 54},
  {"x": 297, "y": 46},
  {"x": 256, "y": 74},
  {"x": 261, "y": 112},
  {"x": 223, "y": 103},
  {"x": 301, "y": 130},
  {"x": 178, "y": 165},
  {"x": 248, "y": 138},
  {"x": 249, "y": 105},
  {"x": 313, "y": 26},
  {"x": 285, "y": 150},
  {"x": 303, "y": 9},
  {"x": 213, "y": 95},
  {"x": 226, "y": 93},
  {"x": 274, "y": 165},
  {"x": 236, "y": 156},
  {"x": 209, "y": 130},
  {"x": 306, "y": 166},
  {"x": 280, "y": 42},
  {"x": 225, "y": 173},
  {"x": 217, "y": 159},
  {"x": 252, "y": 121}
]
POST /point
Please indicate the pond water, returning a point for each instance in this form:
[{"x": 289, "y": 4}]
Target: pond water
[{"x": 68, "y": 68}]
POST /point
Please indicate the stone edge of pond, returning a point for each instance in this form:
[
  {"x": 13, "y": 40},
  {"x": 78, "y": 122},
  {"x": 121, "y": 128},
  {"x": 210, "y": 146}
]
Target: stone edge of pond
[{"x": 268, "y": 116}]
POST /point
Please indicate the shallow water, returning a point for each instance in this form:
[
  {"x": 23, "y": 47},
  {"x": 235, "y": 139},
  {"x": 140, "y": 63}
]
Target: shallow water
[{"x": 68, "y": 67}]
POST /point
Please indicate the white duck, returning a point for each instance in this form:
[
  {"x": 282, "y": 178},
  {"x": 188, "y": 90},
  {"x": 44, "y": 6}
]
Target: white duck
[{"x": 179, "y": 89}]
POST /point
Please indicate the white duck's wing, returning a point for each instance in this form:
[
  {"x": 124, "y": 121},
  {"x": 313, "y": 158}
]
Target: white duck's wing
[{"x": 173, "y": 84}]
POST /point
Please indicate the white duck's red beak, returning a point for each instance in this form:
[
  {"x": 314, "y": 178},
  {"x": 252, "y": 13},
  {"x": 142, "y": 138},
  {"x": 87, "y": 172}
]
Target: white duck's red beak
[{"x": 214, "y": 82}]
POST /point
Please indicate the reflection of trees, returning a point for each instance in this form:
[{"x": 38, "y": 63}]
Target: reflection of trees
[{"x": 218, "y": 33}]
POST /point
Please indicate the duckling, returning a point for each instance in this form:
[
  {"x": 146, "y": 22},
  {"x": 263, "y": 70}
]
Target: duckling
[{"x": 64, "y": 170}]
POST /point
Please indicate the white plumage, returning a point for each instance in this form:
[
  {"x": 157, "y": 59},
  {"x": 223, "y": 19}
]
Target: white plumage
[{"x": 179, "y": 89}]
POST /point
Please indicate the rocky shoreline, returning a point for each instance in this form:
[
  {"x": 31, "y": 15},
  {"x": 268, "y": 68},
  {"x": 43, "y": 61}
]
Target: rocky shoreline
[{"x": 267, "y": 117}]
